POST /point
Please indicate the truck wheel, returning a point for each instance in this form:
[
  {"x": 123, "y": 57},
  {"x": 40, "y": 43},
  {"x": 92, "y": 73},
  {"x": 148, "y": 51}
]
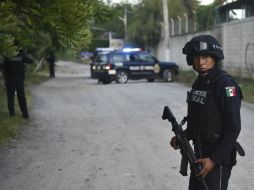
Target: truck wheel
[
  {"x": 150, "y": 80},
  {"x": 168, "y": 75},
  {"x": 106, "y": 81},
  {"x": 121, "y": 77}
]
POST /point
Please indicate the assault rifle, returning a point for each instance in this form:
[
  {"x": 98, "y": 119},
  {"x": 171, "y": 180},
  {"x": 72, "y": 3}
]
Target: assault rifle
[{"x": 186, "y": 150}]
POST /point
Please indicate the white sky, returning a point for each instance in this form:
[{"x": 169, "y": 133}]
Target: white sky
[
  {"x": 203, "y": 2},
  {"x": 206, "y": 2}
]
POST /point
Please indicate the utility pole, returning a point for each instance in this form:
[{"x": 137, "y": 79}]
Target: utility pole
[
  {"x": 124, "y": 19},
  {"x": 166, "y": 29}
]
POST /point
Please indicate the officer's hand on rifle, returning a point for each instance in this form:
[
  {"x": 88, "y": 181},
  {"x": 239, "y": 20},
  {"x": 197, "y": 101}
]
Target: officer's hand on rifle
[
  {"x": 207, "y": 164},
  {"x": 173, "y": 143}
]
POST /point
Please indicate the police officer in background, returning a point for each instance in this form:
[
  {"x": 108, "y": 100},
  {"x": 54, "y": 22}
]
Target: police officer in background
[
  {"x": 51, "y": 60},
  {"x": 14, "y": 73},
  {"x": 213, "y": 114},
  {"x": 1, "y": 68}
]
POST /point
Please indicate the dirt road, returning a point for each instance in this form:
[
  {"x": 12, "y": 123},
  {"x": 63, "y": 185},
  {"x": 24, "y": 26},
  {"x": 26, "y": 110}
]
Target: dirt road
[{"x": 88, "y": 136}]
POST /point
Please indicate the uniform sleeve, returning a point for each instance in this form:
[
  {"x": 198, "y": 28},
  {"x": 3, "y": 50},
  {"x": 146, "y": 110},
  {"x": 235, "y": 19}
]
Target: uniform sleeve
[{"x": 229, "y": 97}]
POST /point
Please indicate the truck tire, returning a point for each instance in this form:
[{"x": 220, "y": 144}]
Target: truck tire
[
  {"x": 106, "y": 81},
  {"x": 121, "y": 77},
  {"x": 168, "y": 75},
  {"x": 150, "y": 80}
]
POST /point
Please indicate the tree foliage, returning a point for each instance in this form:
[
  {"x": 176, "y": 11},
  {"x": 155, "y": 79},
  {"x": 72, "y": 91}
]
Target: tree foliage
[
  {"x": 114, "y": 24},
  {"x": 8, "y": 26},
  {"x": 47, "y": 24},
  {"x": 205, "y": 15},
  {"x": 190, "y": 7},
  {"x": 146, "y": 25}
]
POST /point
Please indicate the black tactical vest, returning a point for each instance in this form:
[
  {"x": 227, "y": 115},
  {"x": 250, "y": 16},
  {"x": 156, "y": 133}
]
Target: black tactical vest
[{"x": 204, "y": 116}]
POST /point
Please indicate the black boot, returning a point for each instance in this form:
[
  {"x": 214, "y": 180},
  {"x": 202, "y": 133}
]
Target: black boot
[{"x": 25, "y": 116}]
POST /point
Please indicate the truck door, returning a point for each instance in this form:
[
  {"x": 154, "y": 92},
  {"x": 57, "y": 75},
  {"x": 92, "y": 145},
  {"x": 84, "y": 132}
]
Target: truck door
[{"x": 146, "y": 64}]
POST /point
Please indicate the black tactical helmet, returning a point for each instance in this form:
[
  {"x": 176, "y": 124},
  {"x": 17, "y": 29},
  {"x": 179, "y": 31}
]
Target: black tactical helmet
[{"x": 203, "y": 45}]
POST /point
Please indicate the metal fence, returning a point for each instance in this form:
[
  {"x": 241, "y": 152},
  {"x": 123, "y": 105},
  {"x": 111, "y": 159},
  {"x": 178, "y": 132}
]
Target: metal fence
[{"x": 182, "y": 25}]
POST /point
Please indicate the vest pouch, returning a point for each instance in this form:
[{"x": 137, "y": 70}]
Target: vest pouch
[
  {"x": 214, "y": 122},
  {"x": 212, "y": 132},
  {"x": 205, "y": 116}
]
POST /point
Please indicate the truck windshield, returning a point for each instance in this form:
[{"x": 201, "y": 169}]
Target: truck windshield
[{"x": 101, "y": 58}]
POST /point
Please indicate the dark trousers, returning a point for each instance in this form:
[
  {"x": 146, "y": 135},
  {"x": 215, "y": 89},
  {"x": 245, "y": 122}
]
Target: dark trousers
[
  {"x": 16, "y": 83},
  {"x": 217, "y": 179},
  {"x": 52, "y": 70}
]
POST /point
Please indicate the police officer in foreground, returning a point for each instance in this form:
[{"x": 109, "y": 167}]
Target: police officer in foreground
[
  {"x": 213, "y": 114},
  {"x": 14, "y": 73}
]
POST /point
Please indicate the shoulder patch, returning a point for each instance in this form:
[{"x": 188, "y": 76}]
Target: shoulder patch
[{"x": 230, "y": 91}]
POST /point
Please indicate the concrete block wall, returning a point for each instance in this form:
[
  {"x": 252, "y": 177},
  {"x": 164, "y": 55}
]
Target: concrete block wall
[
  {"x": 238, "y": 46},
  {"x": 237, "y": 39}
]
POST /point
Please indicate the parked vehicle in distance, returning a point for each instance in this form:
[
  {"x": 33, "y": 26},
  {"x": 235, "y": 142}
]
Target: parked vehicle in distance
[
  {"x": 124, "y": 65},
  {"x": 96, "y": 52}
]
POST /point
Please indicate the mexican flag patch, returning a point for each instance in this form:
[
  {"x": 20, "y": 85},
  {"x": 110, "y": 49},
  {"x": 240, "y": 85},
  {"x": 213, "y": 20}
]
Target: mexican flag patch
[{"x": 230, "y": 91}]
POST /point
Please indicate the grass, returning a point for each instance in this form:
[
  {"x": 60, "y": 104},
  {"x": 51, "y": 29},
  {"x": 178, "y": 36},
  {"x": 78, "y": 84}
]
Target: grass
[
  {"x": 10, "y": 127},
  {"x": 247, "y": 86},
  {"x": 186, "y": 77}
]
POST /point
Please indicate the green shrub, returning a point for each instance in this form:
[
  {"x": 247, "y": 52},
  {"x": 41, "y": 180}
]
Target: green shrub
[
  {"x": 247, "y": 89},
  {"x": 186, "y": 77}
]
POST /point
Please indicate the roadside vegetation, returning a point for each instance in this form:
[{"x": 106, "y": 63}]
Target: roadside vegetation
[
  {"x": 248, "y": 89},
  {"x": 40, "y": 27},
  {"x": 69, "y": 27},
  {"x": 10, "y": 127},
  {"x": 186, "y": 76}
]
